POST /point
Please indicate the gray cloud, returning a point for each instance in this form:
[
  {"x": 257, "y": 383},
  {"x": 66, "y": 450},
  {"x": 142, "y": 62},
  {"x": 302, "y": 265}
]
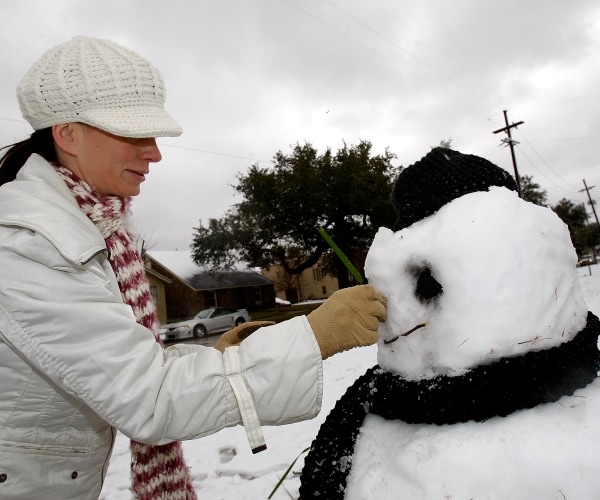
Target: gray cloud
[{"x": 247, "y": 79}]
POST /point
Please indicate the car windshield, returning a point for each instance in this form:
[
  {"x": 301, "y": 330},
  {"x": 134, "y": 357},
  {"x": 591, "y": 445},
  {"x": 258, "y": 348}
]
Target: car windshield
[{"x": 204, "y": 313}]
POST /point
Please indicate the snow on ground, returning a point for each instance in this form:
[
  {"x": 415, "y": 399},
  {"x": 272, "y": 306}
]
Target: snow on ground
[{"x": 222, "y": 465}]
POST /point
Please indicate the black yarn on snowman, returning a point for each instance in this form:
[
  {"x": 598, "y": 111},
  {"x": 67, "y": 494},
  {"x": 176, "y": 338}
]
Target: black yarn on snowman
[
  {"x": 495, "y": 389},
  {"x": 440, "y": 177}
]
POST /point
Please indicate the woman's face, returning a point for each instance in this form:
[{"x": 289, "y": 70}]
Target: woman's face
[{"x": 111, "y": 165}]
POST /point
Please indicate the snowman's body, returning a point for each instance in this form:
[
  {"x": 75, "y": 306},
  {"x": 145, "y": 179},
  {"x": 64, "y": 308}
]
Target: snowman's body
[
  {"x": 550, "y": 452},
  {"x": 481, "y": 293}
]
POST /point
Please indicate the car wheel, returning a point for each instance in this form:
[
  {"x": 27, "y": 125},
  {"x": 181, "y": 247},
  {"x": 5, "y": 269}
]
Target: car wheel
[
  {"x": 199, "y": 331},
  {"x": 239, "y": 321}
]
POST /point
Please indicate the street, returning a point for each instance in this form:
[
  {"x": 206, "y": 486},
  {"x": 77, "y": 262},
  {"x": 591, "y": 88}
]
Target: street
[{"x": 207, "y": 341}]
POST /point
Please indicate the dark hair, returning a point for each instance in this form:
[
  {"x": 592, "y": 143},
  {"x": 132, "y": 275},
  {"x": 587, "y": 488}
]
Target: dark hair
[{"x": 40, "y": 142}]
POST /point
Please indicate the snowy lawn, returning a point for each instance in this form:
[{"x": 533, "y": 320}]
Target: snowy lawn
[{"x": 223, "y": 468}]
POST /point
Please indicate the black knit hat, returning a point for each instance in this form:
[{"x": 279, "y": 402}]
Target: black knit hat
[{"x": 440, "y": 177}]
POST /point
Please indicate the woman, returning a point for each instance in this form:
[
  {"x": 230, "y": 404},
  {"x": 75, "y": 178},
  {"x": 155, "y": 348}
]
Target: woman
[{"x": 79, "y": 355}]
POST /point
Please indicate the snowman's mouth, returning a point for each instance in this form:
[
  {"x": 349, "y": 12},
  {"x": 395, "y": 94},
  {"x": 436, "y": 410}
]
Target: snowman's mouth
[{"x": 404, "y": 334}]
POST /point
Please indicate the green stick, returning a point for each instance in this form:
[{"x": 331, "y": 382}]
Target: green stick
[{"x": 342, "y": 256}]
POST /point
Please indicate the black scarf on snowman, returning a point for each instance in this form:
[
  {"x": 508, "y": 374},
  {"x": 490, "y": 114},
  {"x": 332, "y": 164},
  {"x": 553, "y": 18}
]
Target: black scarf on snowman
[{"x": 486, "y": 391}]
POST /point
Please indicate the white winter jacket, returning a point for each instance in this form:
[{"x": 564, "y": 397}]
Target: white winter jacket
[{"x": 75, "y": 365}]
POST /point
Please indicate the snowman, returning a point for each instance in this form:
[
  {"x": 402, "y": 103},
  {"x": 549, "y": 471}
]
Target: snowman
[{"x": 486, "y": 384}]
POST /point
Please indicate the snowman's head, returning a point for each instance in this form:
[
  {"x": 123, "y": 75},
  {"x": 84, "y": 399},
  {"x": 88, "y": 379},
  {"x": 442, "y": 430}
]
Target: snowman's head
[{"x": 483, "y": 276}]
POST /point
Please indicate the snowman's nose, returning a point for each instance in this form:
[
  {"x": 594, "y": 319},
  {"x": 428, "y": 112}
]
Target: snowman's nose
[{"x": 427, "y": 286}]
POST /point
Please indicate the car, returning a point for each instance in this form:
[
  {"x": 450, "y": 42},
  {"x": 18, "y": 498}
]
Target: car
[
  {"x": 586, "y": 260},
  {"x": 206, "y": 322}
]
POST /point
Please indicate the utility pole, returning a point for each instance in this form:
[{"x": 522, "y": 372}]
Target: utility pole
[
  {"x": 587, "y": 190},
  {"x": 511, "y": 144}
]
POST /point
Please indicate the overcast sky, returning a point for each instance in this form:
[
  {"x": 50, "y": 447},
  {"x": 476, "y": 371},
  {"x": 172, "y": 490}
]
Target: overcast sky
[{"x": 247, "y": 78}]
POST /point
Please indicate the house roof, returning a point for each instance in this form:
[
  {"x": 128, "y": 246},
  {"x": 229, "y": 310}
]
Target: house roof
[
  {"x": 180, "y": 264},
  {"x": 159, "y": 276}
]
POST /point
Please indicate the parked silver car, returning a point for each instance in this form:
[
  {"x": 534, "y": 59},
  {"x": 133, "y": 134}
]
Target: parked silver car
[
  {"x": 206, "y": 322},
  {"x": 586, "y": 260}
]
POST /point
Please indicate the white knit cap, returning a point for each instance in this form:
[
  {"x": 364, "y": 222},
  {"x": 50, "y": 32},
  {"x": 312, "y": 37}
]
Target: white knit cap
[{"x": 99, "y": 83}]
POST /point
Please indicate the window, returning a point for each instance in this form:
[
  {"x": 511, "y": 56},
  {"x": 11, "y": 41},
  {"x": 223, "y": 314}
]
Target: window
[
  {"x": 317, "y": 273},
  {"x": 154, "y": 292},
  {"x": 212, "y": 298},
  {"x": 257, "y": 295},
  {"x": 324, "y": 290}
]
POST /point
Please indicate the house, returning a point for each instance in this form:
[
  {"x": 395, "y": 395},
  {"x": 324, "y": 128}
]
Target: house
[
  {"x": 189, "y": 288},
  {"x": 157, "y": 287},
  {"x": 311, "y": 284}
]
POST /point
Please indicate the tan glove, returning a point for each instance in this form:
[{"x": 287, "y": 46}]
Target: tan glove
[
  {"x": 347, "y": 319},
  {"x": 239, "y": 333}
]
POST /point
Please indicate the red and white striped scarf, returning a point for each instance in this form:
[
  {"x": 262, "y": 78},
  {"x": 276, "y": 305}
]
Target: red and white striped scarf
[{"x": 157, "y": 472}]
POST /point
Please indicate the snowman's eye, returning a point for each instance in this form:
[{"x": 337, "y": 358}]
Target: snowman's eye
[{"x": 427, "y": 286}]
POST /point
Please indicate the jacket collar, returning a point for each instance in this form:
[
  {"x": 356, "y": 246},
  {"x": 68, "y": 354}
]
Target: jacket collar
[{"x": 39, "y": 200}]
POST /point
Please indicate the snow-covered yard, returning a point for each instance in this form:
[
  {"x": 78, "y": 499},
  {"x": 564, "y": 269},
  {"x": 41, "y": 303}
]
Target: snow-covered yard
[{"x": 223, "y": 466}]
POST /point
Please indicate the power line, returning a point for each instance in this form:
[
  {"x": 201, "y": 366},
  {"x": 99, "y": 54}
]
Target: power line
[
  {"x": 424, "y": 63},
  {"x": 214, "y": 153},
  {"x": 562, "y": 139},
  {"x": 173, "y": 146},
  {"x": 378, "y": 54},
  {"x": 13, "y": 120},
  {"x": 530, "y": 144},
  {"x": 532, "y": 163}
]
